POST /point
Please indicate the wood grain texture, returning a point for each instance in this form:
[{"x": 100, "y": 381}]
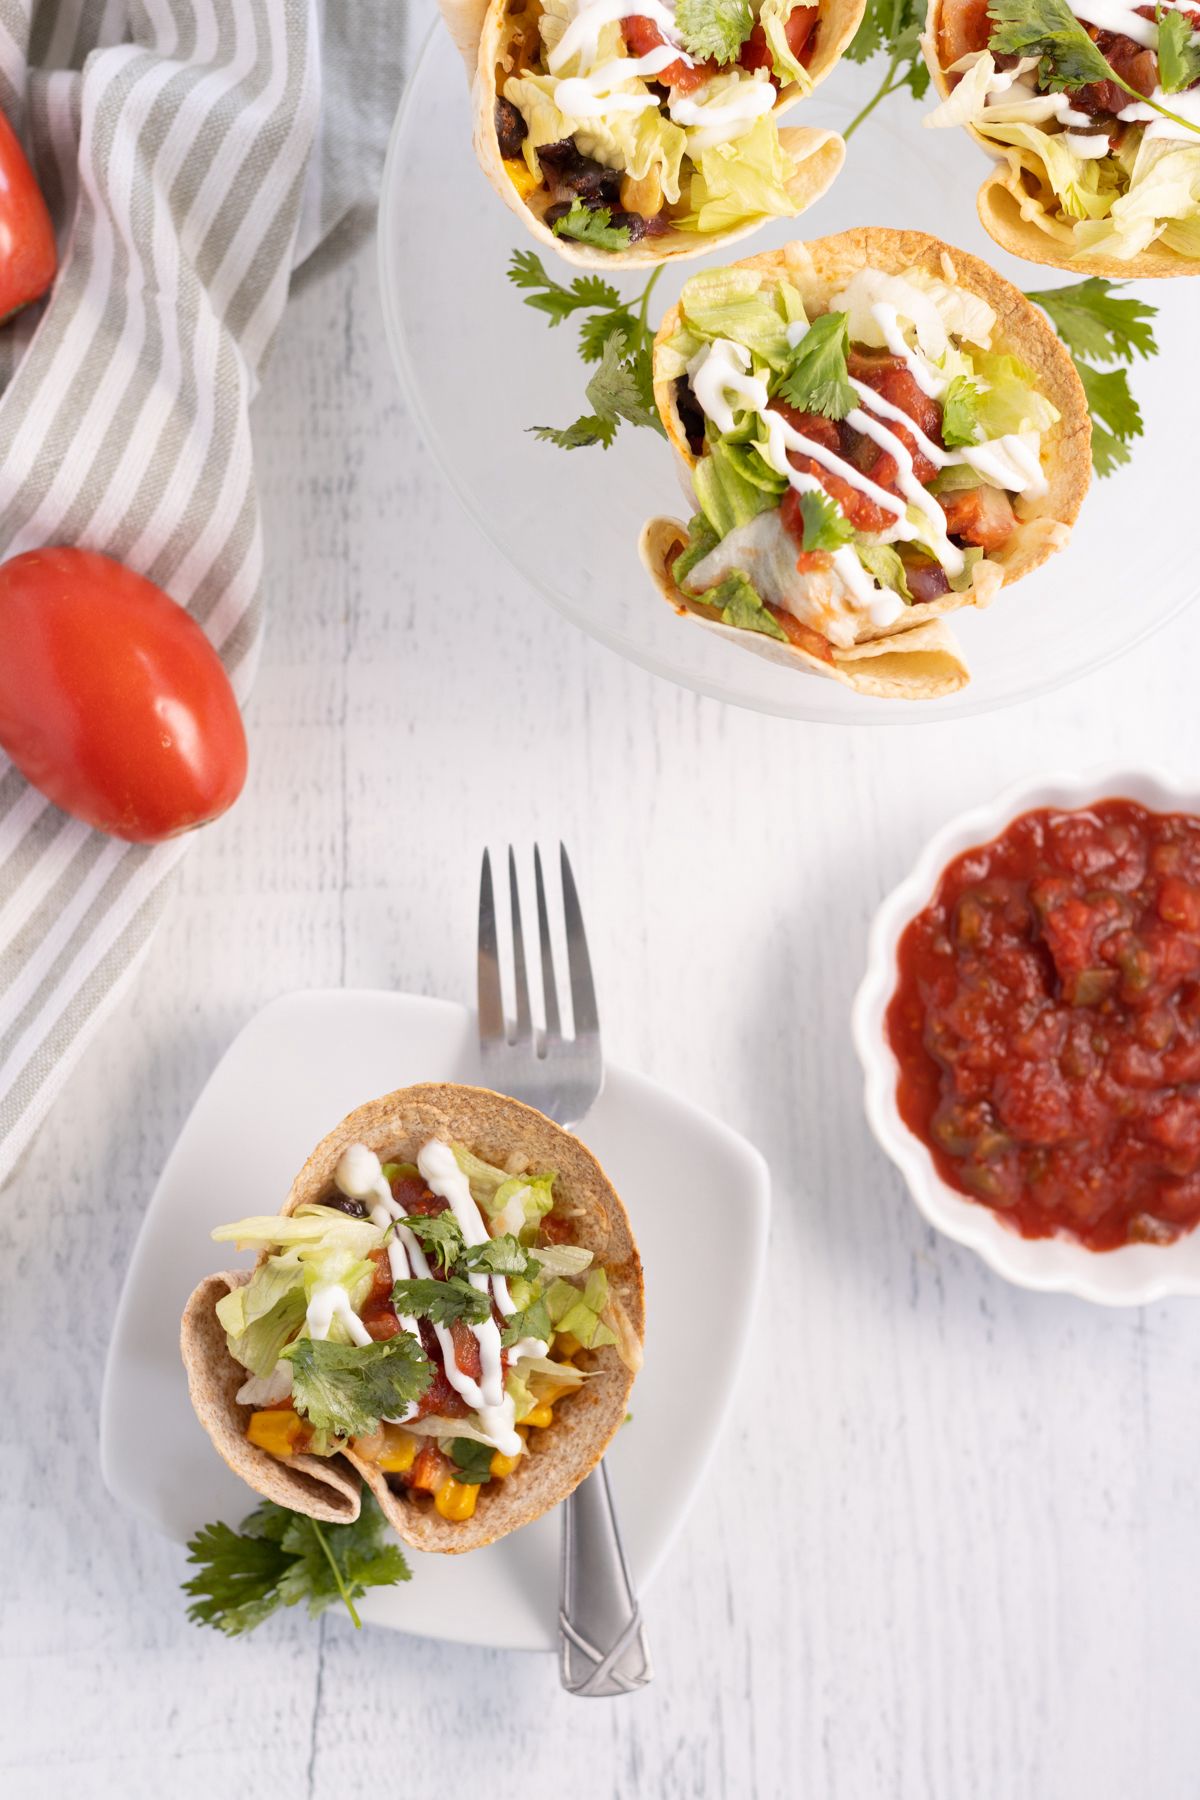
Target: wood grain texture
[{"x": 958, "y": 1561}]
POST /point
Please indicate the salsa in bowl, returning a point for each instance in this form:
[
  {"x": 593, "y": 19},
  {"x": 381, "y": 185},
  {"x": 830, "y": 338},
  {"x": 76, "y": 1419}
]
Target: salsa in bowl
[{"x": 1029, "y": 1026}]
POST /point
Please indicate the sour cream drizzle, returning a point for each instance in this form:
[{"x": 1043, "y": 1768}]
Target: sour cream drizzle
[
  {"x": 592, "y": 93},
  {"x": 723, "y": 385}
]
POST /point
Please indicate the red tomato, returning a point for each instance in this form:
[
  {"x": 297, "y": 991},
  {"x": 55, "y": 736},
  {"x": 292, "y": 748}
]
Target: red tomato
[
  {"x": 28, "y": 258},
  {"x": 112, "y": 700}
]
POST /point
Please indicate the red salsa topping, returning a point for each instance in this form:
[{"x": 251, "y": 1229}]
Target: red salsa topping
[{"x": 1046, "y": 1021}]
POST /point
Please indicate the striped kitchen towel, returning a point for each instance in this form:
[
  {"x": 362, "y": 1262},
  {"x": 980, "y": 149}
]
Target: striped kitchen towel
[{"x": 174, "y": 140}]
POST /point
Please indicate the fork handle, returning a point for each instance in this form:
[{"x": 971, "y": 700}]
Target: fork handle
[{"x": 602, "y": 1648}]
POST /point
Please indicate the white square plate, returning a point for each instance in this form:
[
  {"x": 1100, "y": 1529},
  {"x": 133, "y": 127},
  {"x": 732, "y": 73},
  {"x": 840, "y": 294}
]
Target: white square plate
[{"x": 698, "y": 1197}]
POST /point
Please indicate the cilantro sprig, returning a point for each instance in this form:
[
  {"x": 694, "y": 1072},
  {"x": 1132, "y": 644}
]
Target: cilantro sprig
[
  {"x": 890, "y": 28},
  {"x": 442, "y": 1301},
  {"x": 280, "y": 1558},
  {"x": 714, "y": 29},
  {"x": 348, "y": 1388},
  {"x": 613, "y": 333},
  {"x": 439, "y": 1235},
  {"x": 472, "y": 1461},
  {"x": 817, "y": 380},
  {"x": 826, "y": 526},
  {"x": 960, "y": 412},
  {"x": 1178, "y": 51},
  {"x": 1098, "y": 325},
  {"x": 1069, "y": 57}
]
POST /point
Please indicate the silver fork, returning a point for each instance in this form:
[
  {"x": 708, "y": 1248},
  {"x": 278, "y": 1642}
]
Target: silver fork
[{"x": 602, "y": 1648}]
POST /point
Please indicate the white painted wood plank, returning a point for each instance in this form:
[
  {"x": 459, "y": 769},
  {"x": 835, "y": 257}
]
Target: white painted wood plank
[{"x": 957, "y": 1561}]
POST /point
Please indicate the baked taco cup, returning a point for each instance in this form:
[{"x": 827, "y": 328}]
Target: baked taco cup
[
  {"x": 878, "y": 430},
  {"x": 670, "y": 169},
  {"x": 1089, "y": 178},
  {"x": 368, "y": 1344}
]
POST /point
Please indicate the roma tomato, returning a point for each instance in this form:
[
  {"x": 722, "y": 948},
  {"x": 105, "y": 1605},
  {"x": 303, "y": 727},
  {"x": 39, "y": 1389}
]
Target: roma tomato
[
  {"x": 112, "y": 700},
  {"x": 28, "y": 258}
]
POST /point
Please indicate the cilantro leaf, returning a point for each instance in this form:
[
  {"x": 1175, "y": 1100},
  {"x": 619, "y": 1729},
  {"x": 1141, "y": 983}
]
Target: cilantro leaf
[
  {"x": 826, "y": 526},
  {"x": 442, "y": 1301},
  {"x": 348, "y": 1388},
  {"x": 586, "y": 431},
  {"x": 503, "y": 1255},
  {"x": 532, "y": 1322},
  {"x": 1178, "y": 51},
  {"x": 594, "y": 332},
  {"x": 592, "y": 225},
  {"x": 526, "y": 270},
  {"x": 280, "y": 1558},
  {"x": 816, "y": 379},
  {"x": 1093, "y": 322},
  {"x": 472, "y": 1460},
  {"x": 1049, "y": 29},
  {"x": 439, "y": 1235},
  {"x": 622, "y": 387},
  {"x": 960, "y": 412},
  {"x": 714, "y": 29},
  {"x": 1116, "y": 416},
  {"x": 238, "y": 1586}
]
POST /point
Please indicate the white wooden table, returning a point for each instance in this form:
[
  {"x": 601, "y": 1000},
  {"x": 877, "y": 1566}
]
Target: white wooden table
[{"x": 959, "y": 1561}]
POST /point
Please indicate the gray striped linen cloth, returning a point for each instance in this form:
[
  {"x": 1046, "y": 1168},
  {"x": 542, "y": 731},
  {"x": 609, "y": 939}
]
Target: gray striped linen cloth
[{"x": 189, "y": 165}]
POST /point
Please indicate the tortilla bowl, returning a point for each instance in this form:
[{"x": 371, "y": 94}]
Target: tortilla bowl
[
  {"x": 818, "y": 155},
  {"x": 1017, "y": 206},
  {"x": 817, "y": 269},
  {"x": 510, "y": 1135}
]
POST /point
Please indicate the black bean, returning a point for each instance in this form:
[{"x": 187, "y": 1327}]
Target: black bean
[
  {"x": 691, "y": 416},
  {"x": 567, "y": 173},
  {"x": 511, "y": 129},
  {"x": 343, "y": 1203}
]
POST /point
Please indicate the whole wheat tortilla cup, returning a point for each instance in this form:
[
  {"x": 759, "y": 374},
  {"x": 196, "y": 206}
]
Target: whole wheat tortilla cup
[
  {"x": 509, "y": 1135},
  {"x": 1018, "y": 207},
  {"x": 484, "y": 35},
  {"x": 818, "y": 269}
]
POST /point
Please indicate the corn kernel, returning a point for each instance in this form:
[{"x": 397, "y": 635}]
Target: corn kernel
[
  {"x": 502, "y": 1465},
  {"x": 276, "y": 1431},
  {"x": 456, "y": 1499},
  {"x": 643, "y": 196},
  {"x": 521, "y": 175},
  {"x": 541, "y": 1415},
  {"x": 399, "y": 1451}
]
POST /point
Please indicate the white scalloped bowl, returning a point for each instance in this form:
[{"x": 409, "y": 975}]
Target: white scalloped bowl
[{"x": 1127, "y": 1277}]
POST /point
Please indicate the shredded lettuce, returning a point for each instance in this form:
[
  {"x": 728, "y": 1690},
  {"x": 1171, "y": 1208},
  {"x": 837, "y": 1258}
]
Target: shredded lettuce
[
  {"x": 733, "y": 184},
  {"x": 773, "y": 16},
  {"x": 562, "y": 1259},
  {"x": 579, "y": 1313},
  {"x": 1009, "y": 399},
  {"x": 307, "y": 1229},
  {"x": 882, "y": 563},
  {"x": 733, "y": 303},
  {"x": 728, "y": 497}
]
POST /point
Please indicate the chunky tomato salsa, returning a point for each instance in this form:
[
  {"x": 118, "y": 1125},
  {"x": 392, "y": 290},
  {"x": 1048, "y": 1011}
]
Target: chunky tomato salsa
[{"x": 1046, "y": 1021}]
